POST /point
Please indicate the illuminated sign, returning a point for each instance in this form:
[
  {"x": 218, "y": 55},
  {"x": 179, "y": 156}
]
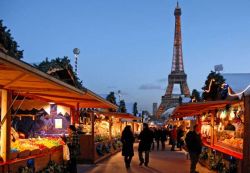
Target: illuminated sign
[{"x": 58, "y": 123}]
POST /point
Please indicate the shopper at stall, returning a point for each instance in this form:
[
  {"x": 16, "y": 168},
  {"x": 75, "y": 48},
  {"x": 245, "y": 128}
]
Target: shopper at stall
[
  {"x": 74, "y": 148},
  {"x": 127, "y": 140},
  {"x": 146, "y": 139},
  {"x": 229, "y": 126},
  {"x": 194, "y": 145}
]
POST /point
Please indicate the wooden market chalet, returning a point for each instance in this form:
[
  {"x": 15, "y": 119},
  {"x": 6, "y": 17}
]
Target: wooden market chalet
[{"x": 38, "y": 90}]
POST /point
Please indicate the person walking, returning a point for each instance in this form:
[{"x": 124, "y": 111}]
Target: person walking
[
  {"x": 127, "y": 140},
  {"x": 194, "y": 146},
  {"x": 146, "y": 139},
  {"x": 173, "y": 138},
  {"x": 73, "y": 142},
  {"x": 163, "y": 138},
  {"x": 157, "y": 136},
  {"x": 153, "y": 143},
  {"x": 180, "y": 135}
]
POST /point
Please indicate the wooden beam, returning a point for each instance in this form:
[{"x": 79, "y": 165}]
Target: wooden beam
[
  {"x": 77, "y": 100},
  {"x": 77, "y": 113},
  {"x": 92, "y": 115},
  {"x": 246, "y": 141},
  {"x": 63, "y": 97},
  {"x": 6, "y": 125},
  {"x": 35, "y": 90},
  {"x": 19, "y": 77},
  {"x": 44, "y": 100},
  {"x": 110, "y": 128},
  {"x": 28, "y": 69},
  {"x": 72, "y": 115},
  {"x": 212, "y": 128}
]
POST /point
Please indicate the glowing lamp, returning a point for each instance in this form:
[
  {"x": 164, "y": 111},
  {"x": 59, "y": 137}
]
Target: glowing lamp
[
  {"x": 223, "y": 115},
  {"x": 232, "y": 115},
  {"x": 203, "y": 118},
  {"x": 58, "y": 123}
]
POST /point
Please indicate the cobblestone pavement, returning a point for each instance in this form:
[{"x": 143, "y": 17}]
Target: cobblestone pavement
[{"x": 160, "y": 162}]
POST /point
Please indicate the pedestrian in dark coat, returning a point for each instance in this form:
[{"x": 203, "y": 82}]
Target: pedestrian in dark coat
[
  {"x": 194, "y": 146},
  {"x": 180, "y": 140},
  {"x": 153, "y": 144},
  {"x": 146, "y": 139},
  {"x": 73, "y": 142},
  {"x": 127, "y": 140},
  {"x": 173, "y": 138},
  {"x": 157, "y": 136},
  {"x": 163, "y": 138}
]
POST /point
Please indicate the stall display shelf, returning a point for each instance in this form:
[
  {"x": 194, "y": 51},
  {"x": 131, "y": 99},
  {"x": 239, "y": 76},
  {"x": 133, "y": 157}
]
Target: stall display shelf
[
  {"x": 224, "y": 150},
  {"x": 41, "y": 160}
]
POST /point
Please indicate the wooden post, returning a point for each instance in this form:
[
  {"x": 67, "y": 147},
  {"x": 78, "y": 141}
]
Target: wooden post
[
  {"x": 110, "y": 128},
  {"x": 93, "y": 135},
  {"x": 6, "y": 125},
  {"x": 72, "y": 115},
  {"x": 77, "y": 116},
  {"x": 212, "y": 128},
  {"x": 120, "y": 126},
  {"x": 246, "y": 141}
]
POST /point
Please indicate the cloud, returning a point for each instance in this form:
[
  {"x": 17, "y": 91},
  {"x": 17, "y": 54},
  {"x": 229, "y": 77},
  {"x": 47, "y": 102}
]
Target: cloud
[
  {"x": 111, "y": 87},
  {"x": 150, "y": 87},
  {"x": 162, "y": 80}
]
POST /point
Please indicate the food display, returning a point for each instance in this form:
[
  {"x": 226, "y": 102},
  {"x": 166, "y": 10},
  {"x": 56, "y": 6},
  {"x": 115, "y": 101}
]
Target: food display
[
  {"x": 31, "y": 144},
  {"x": 116, "y": 128},
  {"x": 101, "y": 130},
  {"x": 206, "y": 132},
  {"x": 229, "y": 128}
]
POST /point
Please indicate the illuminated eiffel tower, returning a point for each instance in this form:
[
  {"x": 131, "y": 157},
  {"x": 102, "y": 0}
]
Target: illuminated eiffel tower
[{"x": 177, "y": 75}]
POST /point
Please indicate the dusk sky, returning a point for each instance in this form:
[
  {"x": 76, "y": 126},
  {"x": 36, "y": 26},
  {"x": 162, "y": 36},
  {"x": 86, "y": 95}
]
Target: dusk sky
[{"x": 127, "y": 45}]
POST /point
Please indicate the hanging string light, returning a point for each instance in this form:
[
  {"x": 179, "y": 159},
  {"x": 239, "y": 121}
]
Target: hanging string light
[
  {"x": 210, "y": 84},
  {"x": 237, "y": 94}
]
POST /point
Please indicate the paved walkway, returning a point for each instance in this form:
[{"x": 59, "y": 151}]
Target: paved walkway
[{"x": 160, "y": 162}]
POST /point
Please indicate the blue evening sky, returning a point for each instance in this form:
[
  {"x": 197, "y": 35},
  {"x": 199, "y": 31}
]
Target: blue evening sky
[{"x": 127, "y": 45}]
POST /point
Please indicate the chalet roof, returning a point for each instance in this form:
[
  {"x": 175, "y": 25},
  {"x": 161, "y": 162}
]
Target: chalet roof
[
  {"x": 24, "y": 79},
  {"x": 198, "y": 108},
  {"x": 238, "y": 82},
  {"x": 120, "y": 115}
]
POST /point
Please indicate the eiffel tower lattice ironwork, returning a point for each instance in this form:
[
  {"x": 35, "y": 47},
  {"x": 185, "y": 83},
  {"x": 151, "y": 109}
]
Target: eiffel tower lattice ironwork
[{"x": 177, "y": 75}]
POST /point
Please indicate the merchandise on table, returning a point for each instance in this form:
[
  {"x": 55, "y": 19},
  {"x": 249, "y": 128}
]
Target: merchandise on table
[{"x": 229, "y": 128}]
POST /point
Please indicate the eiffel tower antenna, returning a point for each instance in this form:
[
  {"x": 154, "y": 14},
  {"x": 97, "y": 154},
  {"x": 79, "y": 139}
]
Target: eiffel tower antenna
[{"x": 177, "y": 75}]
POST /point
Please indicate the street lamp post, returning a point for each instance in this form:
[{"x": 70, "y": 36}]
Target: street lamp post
[
  {"x": 119, "y": 95},
  {"x": 76, "y": 52}
]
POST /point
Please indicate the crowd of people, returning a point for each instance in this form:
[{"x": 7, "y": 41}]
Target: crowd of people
[{"x": 149, "y": 137}]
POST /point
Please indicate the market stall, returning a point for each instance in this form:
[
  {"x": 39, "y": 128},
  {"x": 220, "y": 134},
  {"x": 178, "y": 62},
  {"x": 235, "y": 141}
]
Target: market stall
[
  {"x": 20, "y": 82},
  {"x": 101, "y": 134},
  {"x": 223, "y": 132}
]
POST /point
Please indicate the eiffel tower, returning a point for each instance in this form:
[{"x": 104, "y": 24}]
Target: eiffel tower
[{"x": 177, "y": 75}]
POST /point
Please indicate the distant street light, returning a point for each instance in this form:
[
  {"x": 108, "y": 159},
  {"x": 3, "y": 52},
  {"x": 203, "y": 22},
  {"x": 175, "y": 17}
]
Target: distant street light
[
  {"x": 119, "y": 95},
  {"x": 76, "y": 52}
]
